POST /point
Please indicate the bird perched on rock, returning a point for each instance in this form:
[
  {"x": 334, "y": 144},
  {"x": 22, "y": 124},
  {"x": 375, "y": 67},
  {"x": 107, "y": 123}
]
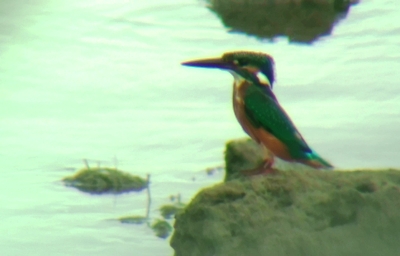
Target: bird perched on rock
[{"x": 258, "y": 110}]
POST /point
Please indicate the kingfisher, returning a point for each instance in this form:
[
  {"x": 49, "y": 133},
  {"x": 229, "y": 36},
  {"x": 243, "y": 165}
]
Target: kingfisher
[{"x": 258, "y": 111}]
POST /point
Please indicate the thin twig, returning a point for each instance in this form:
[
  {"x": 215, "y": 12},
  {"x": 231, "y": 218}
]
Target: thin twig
[
  {"x": 148, "y": 200},
  {"x": 115, "y": 162},
  {"x": 85, "y": 161}
]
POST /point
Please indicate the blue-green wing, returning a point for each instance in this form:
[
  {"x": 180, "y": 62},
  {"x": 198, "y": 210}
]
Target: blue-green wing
[{"x": 264, "y": 111}]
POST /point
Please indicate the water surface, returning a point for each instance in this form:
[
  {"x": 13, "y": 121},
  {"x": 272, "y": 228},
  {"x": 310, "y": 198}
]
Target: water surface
[{"x": 102, "y": 81}]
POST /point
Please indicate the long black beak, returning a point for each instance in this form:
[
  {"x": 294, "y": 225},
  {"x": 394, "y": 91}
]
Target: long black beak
[{"x": 208, "y": 63}]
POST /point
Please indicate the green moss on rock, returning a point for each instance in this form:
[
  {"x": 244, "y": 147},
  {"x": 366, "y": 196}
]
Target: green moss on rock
[
  {"x": 241, "y": 155},
  {"x": 105, "y": 180},
  {"x": 293, "y": 212}
]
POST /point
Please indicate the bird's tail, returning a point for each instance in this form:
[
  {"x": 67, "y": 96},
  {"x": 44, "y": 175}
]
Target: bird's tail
[{"x": 315, "y": 161}]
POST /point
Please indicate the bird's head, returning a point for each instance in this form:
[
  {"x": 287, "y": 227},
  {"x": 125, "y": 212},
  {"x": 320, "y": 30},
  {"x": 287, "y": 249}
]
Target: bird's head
[{"x": 251, "y": 66}]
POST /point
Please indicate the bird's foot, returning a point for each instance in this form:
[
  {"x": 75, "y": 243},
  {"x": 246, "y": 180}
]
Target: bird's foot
[{"x": 265, "y": 168}]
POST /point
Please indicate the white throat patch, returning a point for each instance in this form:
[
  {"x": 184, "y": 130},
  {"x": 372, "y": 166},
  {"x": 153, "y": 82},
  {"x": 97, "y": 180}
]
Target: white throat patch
[
  {"x": 263, "y": 78},
  {"x": 238, "y": 79}
]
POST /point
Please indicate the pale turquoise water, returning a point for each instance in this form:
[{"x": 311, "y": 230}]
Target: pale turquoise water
[{"x": 102, "y": 80}]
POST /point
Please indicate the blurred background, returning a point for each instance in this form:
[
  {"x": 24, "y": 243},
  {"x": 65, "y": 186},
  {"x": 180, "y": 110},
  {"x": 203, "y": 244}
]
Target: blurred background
[{"x": 102, "y": 80}]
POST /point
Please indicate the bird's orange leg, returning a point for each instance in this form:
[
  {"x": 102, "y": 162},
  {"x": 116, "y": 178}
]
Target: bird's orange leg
[
  {"x": 267, "y": 166},
  {"x": 264, "y": 168}
]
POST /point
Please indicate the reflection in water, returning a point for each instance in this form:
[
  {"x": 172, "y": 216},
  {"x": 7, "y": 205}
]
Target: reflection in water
[{"x": 302, "y": 21}]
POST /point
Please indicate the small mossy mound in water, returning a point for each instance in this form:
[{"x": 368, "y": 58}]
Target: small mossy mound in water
[
  {"x": 105, "y": 180},
  {"x": 161, "y": 228},
  {"x": 169, "y": 210},
  {"x": 307, "y": 213},
  {"x": 133, "y": 219}
]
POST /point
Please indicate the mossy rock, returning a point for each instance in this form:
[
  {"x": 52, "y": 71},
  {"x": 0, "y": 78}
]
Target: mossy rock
[
  {"x": 293, "y": 212},
  {"x": 105, "y": 180},
  {"x": 302, "y": 21},
  {"x": 241, "y": 155},
  {"x": 161, "y": 228},
  {"x": 245, "y": 154}
]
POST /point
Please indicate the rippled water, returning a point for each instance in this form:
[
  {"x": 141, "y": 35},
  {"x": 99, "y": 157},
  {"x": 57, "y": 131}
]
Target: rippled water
[{"x": 102, "y": 81}]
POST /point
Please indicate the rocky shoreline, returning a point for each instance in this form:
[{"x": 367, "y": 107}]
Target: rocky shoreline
[{"x": 293, "y": 212}]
